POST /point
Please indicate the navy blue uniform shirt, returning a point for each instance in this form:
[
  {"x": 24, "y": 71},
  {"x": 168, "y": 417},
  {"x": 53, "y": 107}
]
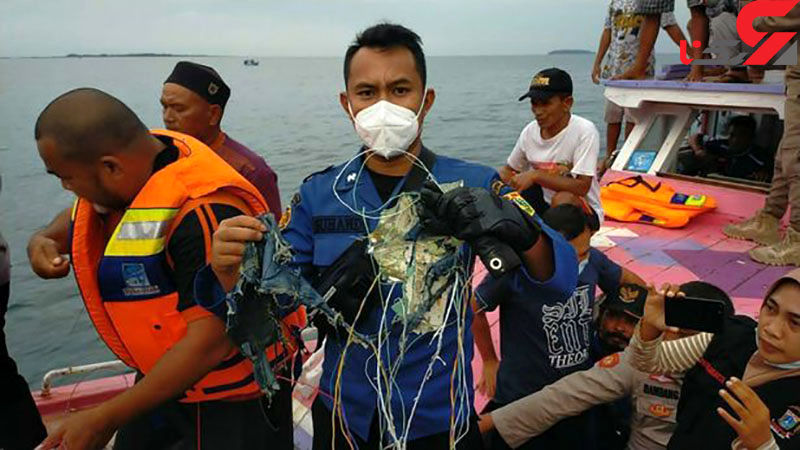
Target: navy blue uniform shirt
[{"x": 320, "y": 228}]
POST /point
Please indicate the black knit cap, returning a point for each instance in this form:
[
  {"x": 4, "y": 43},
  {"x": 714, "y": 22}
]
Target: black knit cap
[{"x": 202, "y": 80}]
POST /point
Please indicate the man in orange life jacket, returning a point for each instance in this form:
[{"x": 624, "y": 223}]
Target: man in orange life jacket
[
  {"x": 148, "y": 204},
  {"x": 193, "y": 99}
]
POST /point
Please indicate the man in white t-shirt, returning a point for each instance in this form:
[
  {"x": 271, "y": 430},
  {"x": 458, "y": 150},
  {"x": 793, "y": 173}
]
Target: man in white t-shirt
[{"x": 558, "y": 151}]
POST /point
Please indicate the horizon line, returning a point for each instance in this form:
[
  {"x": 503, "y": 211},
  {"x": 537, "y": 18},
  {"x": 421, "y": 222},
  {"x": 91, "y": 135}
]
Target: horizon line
[{"x": 189, "y": 55}]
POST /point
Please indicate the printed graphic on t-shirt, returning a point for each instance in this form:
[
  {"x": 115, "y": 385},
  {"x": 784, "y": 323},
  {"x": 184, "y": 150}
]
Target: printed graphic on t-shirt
[
  {"x": 625, "y": 25},
  {"x": 566, "y": 326},
  {"x": 557, "y": 168}
]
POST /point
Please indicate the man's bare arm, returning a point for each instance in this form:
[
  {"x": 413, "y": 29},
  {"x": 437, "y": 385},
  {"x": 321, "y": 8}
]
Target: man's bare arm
[
  {"x": 482, "y": 333},
  {"x": 675, "y": 33},
  {"x": 629, "y": 277},
  {"x": 540, "y": 259},
  {"x": 579, "y": 185},
  {"x": 506, "y": 173},
  {"x": 58, "y": 230},
  {"x": 789, "y": 22},
  {"x": 602, "y": 49},
  {"x": 203, "y": 348},
  {"x": 46, "y": 246}
]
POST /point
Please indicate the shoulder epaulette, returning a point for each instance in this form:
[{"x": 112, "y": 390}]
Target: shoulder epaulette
[{"x": 318, "y": 172}]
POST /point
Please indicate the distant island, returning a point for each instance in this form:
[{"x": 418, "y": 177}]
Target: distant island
[
  {"x": 570, "y": 52},
  {"x": 128, "y": 55}
]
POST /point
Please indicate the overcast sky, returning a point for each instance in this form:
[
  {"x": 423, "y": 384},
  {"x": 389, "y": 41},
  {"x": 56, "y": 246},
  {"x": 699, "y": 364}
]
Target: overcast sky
[{"x": 298, "y": 27}]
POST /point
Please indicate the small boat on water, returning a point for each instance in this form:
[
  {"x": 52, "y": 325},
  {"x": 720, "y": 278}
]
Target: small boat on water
[
  {"x": 665, "y": 112},
  {"x": 251, "y": 62}
]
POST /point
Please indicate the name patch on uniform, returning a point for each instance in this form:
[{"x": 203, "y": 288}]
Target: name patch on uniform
[
  {"x": 338, "y": 225},
  {"x": 136, "y": 280},
  {"x": 658, "y": 391}
]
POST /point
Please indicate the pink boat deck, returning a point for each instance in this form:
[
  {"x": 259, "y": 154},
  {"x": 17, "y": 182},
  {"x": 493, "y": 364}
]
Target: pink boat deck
[{"x": 698, "y": 251}]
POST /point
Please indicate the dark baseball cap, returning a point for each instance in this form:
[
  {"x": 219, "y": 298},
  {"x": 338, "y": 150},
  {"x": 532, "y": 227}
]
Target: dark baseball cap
[
  {"x": 548, "y": 83},
  {"x": 629, "y": 298}
]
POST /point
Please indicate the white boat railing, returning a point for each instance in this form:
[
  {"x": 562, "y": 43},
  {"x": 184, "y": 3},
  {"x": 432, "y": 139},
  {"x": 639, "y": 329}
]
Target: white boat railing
[
  {"x": 49, "y": 377},
  {"x": 665, "y": 110}
]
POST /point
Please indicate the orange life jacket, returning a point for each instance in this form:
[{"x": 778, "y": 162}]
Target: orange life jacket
[
  {"x": 635, "y": 200},
  {"x": 126, "y": 282}
]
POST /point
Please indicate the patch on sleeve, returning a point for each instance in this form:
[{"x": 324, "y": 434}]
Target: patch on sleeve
[
  {"x": 287, "y": 215},
  {"x": 521, "y": 203},
  {"x": 497, "y": 186},
  {"x": 609, "y": 361},
  {"x": 789, "y": 424}
]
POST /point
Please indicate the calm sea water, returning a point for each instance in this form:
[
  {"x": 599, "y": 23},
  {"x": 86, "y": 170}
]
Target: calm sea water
[{"x": 286, "y": 109}]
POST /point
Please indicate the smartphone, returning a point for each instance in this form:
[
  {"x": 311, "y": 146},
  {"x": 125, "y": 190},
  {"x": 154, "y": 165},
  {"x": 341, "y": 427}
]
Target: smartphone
[{"x": 691, "y": 313}]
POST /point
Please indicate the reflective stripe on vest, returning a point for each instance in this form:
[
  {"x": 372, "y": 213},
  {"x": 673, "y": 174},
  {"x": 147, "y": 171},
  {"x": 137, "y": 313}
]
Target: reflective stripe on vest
[{"x": 141, "y": 232}]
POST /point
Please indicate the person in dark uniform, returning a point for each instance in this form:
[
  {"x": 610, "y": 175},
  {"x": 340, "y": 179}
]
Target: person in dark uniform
[{"x": 20, "y": 424}]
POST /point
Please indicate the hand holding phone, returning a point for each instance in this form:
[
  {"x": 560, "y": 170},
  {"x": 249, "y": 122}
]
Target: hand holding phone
[
  {"x": 653, "y": 323},
  {"x": 692, "y": 313}
]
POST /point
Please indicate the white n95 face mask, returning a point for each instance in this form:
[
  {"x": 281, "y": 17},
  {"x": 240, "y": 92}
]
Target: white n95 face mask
[{"x": 387, "y": 129}]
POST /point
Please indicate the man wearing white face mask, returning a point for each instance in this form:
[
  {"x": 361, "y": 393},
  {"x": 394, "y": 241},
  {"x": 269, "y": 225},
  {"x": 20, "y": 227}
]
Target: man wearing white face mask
[{"x": 386, "y": 100}]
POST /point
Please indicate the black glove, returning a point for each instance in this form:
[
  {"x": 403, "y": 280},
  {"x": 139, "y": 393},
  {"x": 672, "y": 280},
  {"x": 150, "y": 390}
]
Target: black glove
[
  {"x": 469, "y": 213},
  {"x": 348, "y": 283}
]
